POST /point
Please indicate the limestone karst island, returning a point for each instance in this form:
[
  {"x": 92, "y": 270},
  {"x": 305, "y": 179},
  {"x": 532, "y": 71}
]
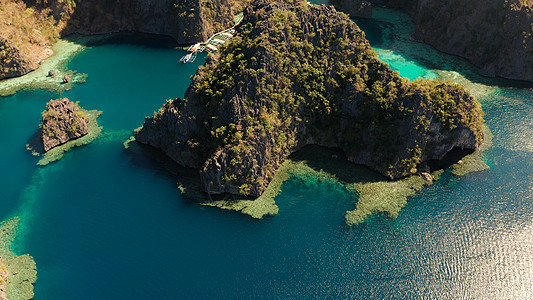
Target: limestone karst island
[{"x": 236, "y": 149}]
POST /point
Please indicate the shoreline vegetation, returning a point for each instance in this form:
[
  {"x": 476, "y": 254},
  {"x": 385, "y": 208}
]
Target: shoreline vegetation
[{"x": 17, "y": 273}]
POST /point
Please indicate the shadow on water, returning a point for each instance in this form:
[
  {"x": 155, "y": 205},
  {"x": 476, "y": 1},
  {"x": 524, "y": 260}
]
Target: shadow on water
[
  {"x": 451, "y": 158},
  {"x": 153, "y": 41},
  {"x": 187, "y": 179},
  {"x": 333, "y": 161},
  {"x": 149, "y": 158}
]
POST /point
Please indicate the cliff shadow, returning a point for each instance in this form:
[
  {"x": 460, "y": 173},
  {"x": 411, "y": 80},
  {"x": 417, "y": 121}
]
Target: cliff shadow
[
  {"x": 333, "y": 161},
  {"x": 35, "y": 144},
  {"x": 187, "y": 180},
  {"x": 452, "y": 157},
  {"x": 147, "y": 40}
]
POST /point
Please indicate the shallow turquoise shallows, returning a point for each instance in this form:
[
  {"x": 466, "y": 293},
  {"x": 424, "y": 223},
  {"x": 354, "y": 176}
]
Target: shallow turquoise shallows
[{"x": 108, "y": 223}]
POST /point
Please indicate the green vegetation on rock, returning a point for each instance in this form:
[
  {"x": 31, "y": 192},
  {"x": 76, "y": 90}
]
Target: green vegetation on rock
[{"x": 26, "y": 36}]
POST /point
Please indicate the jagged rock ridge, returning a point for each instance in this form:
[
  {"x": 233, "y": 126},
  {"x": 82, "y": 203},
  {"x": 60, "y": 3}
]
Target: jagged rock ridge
[{"x": 297, "y": 75}]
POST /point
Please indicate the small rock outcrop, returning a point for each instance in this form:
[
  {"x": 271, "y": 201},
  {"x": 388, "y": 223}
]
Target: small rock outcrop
[
  {"x": 298, "y": 75},
  {"x": 63, "y": 121}
]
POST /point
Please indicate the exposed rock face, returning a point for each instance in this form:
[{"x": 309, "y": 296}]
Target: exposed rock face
[
  {"x": 12, "y": 61},
  {"x": 25, "y": 38},
  {"x": 297, "y": 75},
  {"x": 32, "y": 26},
  {"x": 355, "y": 8},
  {"x": 495, "y": 35},
  {"x": 187, "y": 21},
  {"x": 63, "y": 121}
]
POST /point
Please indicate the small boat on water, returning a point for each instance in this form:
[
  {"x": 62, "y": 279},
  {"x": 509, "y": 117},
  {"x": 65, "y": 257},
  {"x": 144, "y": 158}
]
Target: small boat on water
[{"x": 189, "y": 58}]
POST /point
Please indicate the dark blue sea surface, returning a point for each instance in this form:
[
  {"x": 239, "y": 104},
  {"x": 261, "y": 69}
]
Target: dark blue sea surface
[{"x": 105, "y": 222}]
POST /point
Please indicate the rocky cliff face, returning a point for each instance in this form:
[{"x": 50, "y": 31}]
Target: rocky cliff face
[
  {"x": 187, "y": 21},
  {"x": 495, "y": 35},
  {"x": 297, "y": 75},
  {"x": 63, "y": 121},
  {"x": 13, "y": 61},
  {"x": 25, "y": 38},
  {"x": 28, "y": 28}
]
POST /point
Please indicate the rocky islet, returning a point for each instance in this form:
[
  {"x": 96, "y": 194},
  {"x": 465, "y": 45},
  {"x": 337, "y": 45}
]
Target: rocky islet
[
  {"x": 63, "y": 121},
  {"x": 331, "y": 91},
  {"x": 64, "y": 125}
]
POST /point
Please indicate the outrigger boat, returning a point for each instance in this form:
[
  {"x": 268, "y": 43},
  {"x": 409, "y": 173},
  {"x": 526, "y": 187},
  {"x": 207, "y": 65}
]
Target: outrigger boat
[{"x": 189, "y": 58}]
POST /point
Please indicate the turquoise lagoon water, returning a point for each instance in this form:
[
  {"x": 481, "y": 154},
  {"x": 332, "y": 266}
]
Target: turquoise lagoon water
[{"x": 108, "y": 223}]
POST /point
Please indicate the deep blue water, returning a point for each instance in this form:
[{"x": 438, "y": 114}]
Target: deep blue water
[{"x": 108, "y": 223}]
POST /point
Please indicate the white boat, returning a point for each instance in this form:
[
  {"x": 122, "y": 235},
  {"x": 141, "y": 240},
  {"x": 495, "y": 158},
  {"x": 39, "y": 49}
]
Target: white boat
[{"x": 189, "y": 58}]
